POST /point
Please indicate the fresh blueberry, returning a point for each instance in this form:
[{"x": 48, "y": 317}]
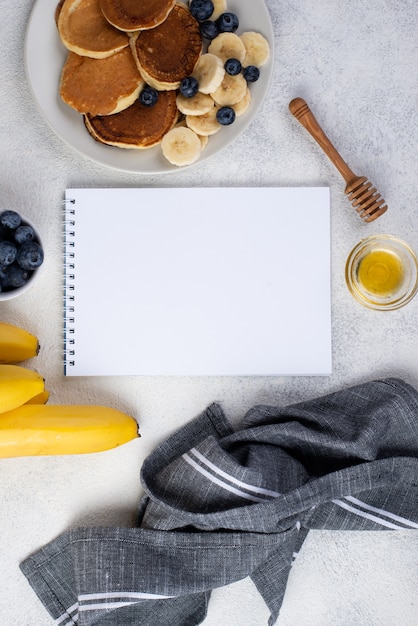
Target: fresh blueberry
[
  {"x": 201, "y": 9},
  {"x": 3, "y": 279},
  {"x": 189, "y": 86},
  {"x": 4, "y": 232},
  {"x": 10, "y": 219},
  {"x": 30, "y": 255},
  {"x": 251, "y": 73},
  {"x": 148, "y": 96},
  {"x": 232, "y": 67},
  {"x": 8, "y": 252},
  {"x": 225, "y": 116},
  {"x": 23, "y": 233},
  {"x": 227, "y": 23},
  {"x": 15, "y": 276},
  {"x": 209, "y": 30}
]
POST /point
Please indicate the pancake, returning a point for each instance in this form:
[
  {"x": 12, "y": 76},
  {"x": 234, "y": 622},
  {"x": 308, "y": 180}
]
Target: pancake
[
  {"x": 84, "y": 30},
  {"x": 100, "y": 86},
  {"x": 133, "y": 15},
  {"x": 58, "y": 11},
  {"x": 138, "y": 126},
  {"x": 168, "y": 53}
]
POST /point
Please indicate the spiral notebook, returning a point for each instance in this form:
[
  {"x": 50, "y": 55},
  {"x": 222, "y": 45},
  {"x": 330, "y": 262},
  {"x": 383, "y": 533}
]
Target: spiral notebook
[{"x": 197, "y": 282}]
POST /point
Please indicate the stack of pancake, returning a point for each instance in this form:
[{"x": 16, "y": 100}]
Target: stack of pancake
[
  {"x": 106, "y": 68},
  {"x": 116, "y": 48}
]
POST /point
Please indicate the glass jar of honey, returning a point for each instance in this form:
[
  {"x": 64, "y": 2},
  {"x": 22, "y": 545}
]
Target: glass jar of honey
[{"x": 382, "y": 272}]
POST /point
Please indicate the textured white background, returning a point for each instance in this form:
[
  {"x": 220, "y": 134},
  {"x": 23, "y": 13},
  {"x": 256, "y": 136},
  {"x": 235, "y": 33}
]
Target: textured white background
[{"x": 356, "y": 64}]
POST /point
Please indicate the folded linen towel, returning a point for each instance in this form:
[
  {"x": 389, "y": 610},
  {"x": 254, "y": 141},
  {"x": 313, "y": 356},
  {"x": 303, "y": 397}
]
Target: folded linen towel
[{"x": 221, "y": 505}]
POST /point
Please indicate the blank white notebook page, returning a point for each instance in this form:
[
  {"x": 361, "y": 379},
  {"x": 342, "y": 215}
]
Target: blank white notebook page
[{"x": 200, "y": 281}]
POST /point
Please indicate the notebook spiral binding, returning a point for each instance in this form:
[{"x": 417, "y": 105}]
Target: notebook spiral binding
[{"x": 69, "y": 284}]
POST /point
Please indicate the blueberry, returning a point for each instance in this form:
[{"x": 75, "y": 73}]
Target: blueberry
[
  {"x": 30, "y": 255},
  {"x": 23, "y": 233},
  {"x": 8, "y": 252},
  {"x": 225, "y": 116},
  {"x": 15, "y": 276},
  {"x": 10, "y": 219},
  {"x": 4, "y": 232},
  {"x": 189, "y": 86},
  {"x": 227, "y": 23},
  {"x": 251, "y": 73},
  {"x": 201, "y": 9},
  {"x": 3, "y": 279},
  {"x": 148, "y": 96},
  {"x": 209, "y": 30},
  {"x": 232, "y": 67}
]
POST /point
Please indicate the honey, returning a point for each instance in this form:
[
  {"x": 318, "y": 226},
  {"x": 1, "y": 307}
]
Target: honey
[{"x": 380, "y": 272}]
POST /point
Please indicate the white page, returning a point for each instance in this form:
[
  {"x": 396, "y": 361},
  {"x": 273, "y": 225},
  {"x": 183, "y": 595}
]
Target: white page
[{"x": 200, "y": 281}]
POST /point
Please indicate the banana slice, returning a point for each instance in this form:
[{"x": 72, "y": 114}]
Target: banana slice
[
  {"x": 209, "y": 71},
  {"x": 181, "y": 146},
  {"x": 243, "y": 105},
  {"x": 227, "y": 46},
  {"x": 257, "y": 49},
  {"x": 231, "y": 90},
  {"x": 219, "y": 7},
  {"x": 204, "y": 139},
  {"x": 206, "y": 124},
  {"x": 199, "y": 104}
]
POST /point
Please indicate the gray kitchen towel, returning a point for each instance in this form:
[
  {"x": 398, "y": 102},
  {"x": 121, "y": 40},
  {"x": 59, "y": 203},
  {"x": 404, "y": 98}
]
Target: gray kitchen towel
[{"x": 223, "y": 504}]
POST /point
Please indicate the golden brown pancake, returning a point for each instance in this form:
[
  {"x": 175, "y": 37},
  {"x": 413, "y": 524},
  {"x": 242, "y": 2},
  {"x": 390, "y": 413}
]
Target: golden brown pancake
[
  {"x": 133, "y": 15},
  {"x": 100, "y": 86},
  {"x": 84, "y": 29},
  {"x": 58, "y": 11},
  {"x": 137, "y": 126},
  {"x": 168, "y": 53}
]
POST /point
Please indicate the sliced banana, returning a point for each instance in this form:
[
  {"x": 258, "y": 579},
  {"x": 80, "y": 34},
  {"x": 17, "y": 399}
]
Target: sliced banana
[
  {"x": 199, "y": 104},
  {"x": 257, "y": 49},
  {"x": 243, "y": 105},
  {"x": 181, "y": 146},
  {"x": 219, "y": 7},
  {"x": 231, "y": 90},
  {"x": 204, "y": 140},
  {"x": 209, "y": 71},
  {"x": 227, "y": 46},
  {"x": 205, "y": 125}
]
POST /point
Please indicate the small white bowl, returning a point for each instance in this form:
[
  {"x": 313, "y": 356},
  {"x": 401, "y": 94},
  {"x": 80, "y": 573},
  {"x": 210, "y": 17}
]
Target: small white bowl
[
  {"x": 18, "y": 291},
  {"x": 381, "y": 272}
]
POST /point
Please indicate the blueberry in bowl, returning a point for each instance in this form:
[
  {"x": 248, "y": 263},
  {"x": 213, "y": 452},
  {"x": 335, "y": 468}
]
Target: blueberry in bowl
[{"x": 21, "y": 254}]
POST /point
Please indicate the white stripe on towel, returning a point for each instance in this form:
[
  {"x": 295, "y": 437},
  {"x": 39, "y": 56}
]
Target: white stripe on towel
[
  {"x": 136, "y": 595},
  {"x": 393, "y": 516},
  {"x": 219, "y": 482},
  {"x": 69, "y": 617},
  {"x": 232, "y": 479},
  {"x": 373, "y": 518}
]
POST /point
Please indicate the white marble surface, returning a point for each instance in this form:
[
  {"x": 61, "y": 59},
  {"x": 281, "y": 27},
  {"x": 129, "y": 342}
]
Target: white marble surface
[{"x": 356, "y": 64}]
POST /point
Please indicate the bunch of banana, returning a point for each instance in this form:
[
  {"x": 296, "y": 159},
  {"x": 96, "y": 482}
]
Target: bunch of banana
[{"x": 29, "y": 426}]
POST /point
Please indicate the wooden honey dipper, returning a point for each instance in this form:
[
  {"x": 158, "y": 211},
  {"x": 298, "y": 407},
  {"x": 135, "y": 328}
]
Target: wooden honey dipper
[{"x": 367, "y": 202}]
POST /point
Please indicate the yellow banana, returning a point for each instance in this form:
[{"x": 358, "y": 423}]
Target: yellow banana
[
  {"x": 16, "y": 344},
  {"x": 18, "y": 385},
  {"x": 40, "y": 398},
  {"x": 48, "y": 429}
]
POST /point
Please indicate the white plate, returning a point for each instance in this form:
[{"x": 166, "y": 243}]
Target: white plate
[{"x": 45, "y": 56}]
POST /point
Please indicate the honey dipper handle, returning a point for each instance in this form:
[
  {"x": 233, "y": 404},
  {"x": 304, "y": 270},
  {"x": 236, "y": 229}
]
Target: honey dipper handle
[{"x": 300, "y": 109}]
